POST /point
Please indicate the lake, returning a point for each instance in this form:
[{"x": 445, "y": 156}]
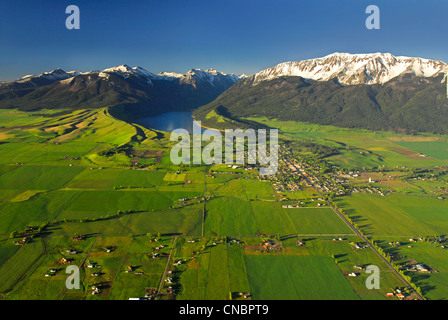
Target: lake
[{"x": 169, "y": 121}]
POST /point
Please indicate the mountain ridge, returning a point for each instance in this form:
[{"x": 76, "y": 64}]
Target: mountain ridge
[
  {"x": 350, "y": 69},
  {"x": 406, "y": 94},
  {"x": 120, "y": 85}
]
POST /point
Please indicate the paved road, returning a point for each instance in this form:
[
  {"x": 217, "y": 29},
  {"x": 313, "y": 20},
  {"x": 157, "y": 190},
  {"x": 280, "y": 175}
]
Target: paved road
[
  {"x": 166, "y": 268},
  {"x": 358, "y": 233}
]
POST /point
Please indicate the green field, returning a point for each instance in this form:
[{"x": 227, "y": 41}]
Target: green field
[
  {"x": 403, "y": 215},
  {"x": 434, "y": 149},
  {"x": 296, "y": 277},
  {"x": 17, "y": 265},
  {"x": 88, "y": 173},
  {"x": 229, "y": 216}
]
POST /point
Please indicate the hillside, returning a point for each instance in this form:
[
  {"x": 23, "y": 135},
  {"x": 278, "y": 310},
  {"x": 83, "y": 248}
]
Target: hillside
[
  {"x": 134, "y": 88},
  {"x": 408, "y": 101}
]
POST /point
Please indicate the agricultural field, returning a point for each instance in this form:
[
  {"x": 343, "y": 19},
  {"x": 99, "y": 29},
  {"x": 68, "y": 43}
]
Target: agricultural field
[
  {"x": 103, "y": 194},
  {"x": 434, "y": 283},
  {"x": 363, "y": 148},
  {"x": 245, "y": 268},
  {"x": 397, "y": 215}
]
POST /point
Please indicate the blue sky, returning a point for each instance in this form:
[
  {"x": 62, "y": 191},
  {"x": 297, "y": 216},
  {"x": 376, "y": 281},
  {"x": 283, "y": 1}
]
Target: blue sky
[{"x": 234, "y": 36}]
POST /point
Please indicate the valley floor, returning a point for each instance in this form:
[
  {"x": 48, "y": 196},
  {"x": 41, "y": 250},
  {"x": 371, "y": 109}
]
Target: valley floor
[{"x": 83, "y": 188}]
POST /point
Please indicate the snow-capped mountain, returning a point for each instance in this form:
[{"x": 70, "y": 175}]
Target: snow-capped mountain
[
  {"x": 352, "y": 69},
  {"x": 57, "y": 74},
  {"x": 39, "y": 80},
  {"x": 118, "y": 85},
  {"x": 373, "y": 91},
  {"x": 213, "y": 77}
]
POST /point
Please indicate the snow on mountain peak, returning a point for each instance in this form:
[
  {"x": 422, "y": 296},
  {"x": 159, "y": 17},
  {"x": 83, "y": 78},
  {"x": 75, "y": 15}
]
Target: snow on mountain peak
[
  {"x": 210, "y": 75},
  {"x": 170, "y": 75},
  {"x": 121, "y": 68},
  {"x": 350, "y": 69}
]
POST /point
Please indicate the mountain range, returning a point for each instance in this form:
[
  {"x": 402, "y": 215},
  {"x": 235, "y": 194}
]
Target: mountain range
[
  {"x": 374, "y": 91},
  {"x": 354, "y": 69},
  {"x": 136, "y": 88},
  {"x": 377, "y": 91}
]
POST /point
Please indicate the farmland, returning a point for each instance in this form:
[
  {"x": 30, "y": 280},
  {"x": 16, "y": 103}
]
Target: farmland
[{"x": 218, "y": 232}]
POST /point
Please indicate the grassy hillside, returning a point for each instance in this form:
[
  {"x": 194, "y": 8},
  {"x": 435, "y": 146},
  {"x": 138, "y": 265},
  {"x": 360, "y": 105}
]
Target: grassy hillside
[{"x": 406, "y": 104}]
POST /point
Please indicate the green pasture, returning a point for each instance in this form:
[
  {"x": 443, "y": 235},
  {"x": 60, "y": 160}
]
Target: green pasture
[
  {"x": 229, "y": 216},
  {"x": 396, "y": 214},
  {"x": 279, "y": 277}
]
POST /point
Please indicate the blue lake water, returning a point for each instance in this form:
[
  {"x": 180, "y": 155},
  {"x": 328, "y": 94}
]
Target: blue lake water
[{"x": 170, "y": 120}]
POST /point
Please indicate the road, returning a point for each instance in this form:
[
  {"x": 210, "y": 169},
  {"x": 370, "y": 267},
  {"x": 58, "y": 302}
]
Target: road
[
  {"x": 359, "y": 234},
  {"x": 166, "y": 268}
]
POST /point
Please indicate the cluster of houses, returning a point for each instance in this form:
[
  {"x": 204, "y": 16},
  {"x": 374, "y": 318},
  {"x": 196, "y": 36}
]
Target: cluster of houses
[
  {"x": 419, "y": 267},
  {"x": 51, "y": 273},
  {"x": 78, "y": 237},
  {"x": 400, "y": 294},
  {"x": 245, "y": 295},
  {"x": 150, "y": 293},
  {"x": 96, "y": 290},
  {"x": 368, "y": 190},
  {"x": 22, "y": 242},
  {"x": 132, "y": 269},
  {"x": 291, "y": 175},
  {"x": 356, "y": 274},
  {"x": 92, "y": 265},
  {"x": 271, "y": 245},
  {"x": 358, "y": 246},
  {"x": 65, "y": 260}
]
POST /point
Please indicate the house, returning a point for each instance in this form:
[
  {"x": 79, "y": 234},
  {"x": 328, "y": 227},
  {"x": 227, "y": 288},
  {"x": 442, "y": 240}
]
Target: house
[
  {"x": 78, "y": 237},
  {"x": 95, "y": 290},
  {"x": 358, "y": 246},
  {"x": 65, "y": 260},
  {"x": 421, "y": 268}
]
